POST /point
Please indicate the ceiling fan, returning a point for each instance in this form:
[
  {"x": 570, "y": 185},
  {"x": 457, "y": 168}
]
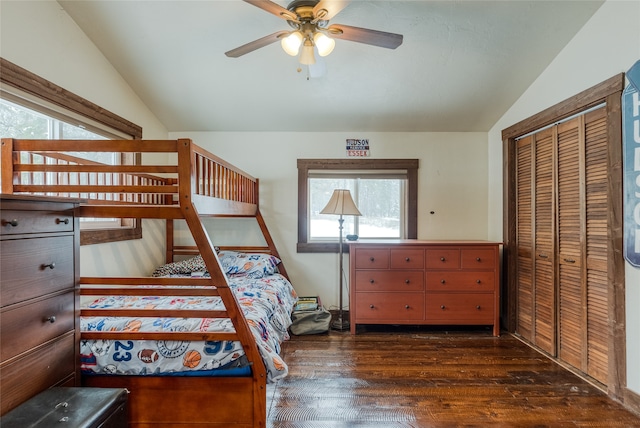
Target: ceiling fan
[{"x": 310, "y": 22}]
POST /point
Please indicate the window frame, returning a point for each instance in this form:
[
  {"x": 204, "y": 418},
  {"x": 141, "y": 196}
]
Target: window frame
[
  {"x": 32, "y": 84},
  {"x": 305, "y": 165}
]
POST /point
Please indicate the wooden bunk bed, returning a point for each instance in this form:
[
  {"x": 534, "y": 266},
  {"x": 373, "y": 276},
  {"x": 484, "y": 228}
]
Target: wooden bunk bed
[{"x": 199, "y": 184}]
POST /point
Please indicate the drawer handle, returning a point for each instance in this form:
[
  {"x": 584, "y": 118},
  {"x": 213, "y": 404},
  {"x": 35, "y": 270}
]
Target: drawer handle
[
  {"x": 478, "y": 307},
  {"x": 407, "y": 259},
  {"x": 543, "y": 256},
  {"x": 371, "y": 306},
  {"x": 442, "y": 281},
  {"x": 406, "y": 306},
  {"x": 371, "y": 281},
  {"x": 371, "y": 259},
  {"x": 64, "y": 220},
  {"x": 569, "y": 260},
  {"x": 50, "y": 319},
  {"x": 478, "y": 281},
  {"x": 442, "y": 307},
  {"x": 477, "y": 259},
  {"x": 407, "y": 281},
  {"x": 51, "y": 265},
  {"x": 441, "y": 259},
  {"x": 12, "y": 223}
]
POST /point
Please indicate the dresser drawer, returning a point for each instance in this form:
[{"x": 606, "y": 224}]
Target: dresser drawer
[
  {"x": 372, "y": 259},
  {"x": 478, "y": 259},
  {"x": 376, "y": 307},
  {"x": 42, "y": 319},
  {"x": 15, "y": 222},
  {"x": 33, "y": 267},
  {"x": 388, "y": 280},
  {"x": 460, "y": 281},
  {"x": 407, "y": 259},
  {"x": 444, "y": 258},
  {"x": 470, "y": 307},
  {"x": 40, "y": 369}
]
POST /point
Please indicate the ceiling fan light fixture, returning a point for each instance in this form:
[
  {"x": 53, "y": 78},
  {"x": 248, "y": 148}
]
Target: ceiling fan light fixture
[
  {"x": 291, "y": 43},
  {"x": 307, "y": 57},
  {"x": 324, "y": 44}
]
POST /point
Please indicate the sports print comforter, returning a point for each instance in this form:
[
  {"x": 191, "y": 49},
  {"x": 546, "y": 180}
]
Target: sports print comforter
[{"x": 267, "y": 303}]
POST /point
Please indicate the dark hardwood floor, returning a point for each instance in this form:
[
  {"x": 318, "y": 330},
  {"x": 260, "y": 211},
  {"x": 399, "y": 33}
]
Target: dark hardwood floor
[{"x": 425, "y": 377}]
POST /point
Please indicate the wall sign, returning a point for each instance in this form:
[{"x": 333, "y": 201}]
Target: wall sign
[
  {"x": 631, "y": 161},
  {"x": 357, "y": 148}
]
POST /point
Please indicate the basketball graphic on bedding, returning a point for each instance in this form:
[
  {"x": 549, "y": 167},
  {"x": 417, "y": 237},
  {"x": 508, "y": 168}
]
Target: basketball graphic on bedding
[{"x": 191, "y": 359}]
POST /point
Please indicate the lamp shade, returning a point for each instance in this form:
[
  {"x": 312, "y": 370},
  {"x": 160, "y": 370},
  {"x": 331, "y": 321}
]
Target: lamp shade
[
  {"x": 324, "y": 44},
  {"x": 341, "y": 203},
  {"x": 306, "y": 56},
  {"x": 291, "y": 43}
]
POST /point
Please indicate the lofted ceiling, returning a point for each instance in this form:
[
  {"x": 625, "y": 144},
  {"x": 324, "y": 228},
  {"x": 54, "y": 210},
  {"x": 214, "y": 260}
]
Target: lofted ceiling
[{"x": 462, "y": 64}]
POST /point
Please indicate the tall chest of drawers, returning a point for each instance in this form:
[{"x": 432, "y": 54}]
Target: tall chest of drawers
[
  {"x": 39, "y": 330},
  {"x": 425, "y": 282}
]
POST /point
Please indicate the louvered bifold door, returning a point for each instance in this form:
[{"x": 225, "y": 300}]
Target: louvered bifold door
[
  {"x": 544, "y": 291},
  {"x": 561, "y": 230},
  {"x": 596, "y": 167},
  {"x": 571, "y": 225},
  {"x": 524, "y": 234}
]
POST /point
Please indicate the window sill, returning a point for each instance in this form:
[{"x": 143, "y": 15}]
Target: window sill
[
  {"x": 321, "y": 247},
  {"x": 91, "y": 237}
]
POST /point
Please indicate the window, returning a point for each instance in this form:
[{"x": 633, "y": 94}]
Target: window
[
  {"x": 31, "y": 107},
  {"x": 23, "y": 119},
  {"x": 385, "y": 191},
  {"x": 379, "y": 197}
]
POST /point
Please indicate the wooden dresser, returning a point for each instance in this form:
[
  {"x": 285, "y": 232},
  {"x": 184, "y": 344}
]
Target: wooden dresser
[
  {"x": 39, "y": 315},
  {"x": 425, "y": 282}
]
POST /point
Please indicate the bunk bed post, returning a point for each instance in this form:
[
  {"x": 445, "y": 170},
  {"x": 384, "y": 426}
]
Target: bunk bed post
[
  {"x": 265, "y": 230},
  {"x": 6, "y": 159},
  {"x": 270, "y": 243},
  {"x": 169, "y": 228},
  {"x": 168, "y": 237},
  {"x": 187, "y": 184}
]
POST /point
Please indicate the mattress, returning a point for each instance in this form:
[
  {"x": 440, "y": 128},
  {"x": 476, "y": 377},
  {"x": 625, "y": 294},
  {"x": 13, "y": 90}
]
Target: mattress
[{"x": 266, "y": 302}]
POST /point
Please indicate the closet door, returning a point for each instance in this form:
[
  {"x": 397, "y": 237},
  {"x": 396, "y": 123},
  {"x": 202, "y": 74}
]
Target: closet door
[
  {"x": 597, "y": 316},
  {"x": 570, "y": 203},
  {"x": 524, "y": 233},
  {"x": 561, "y": 230},
  {"x": 544, "y": 252},
  {"x": 536, "y": 240}
]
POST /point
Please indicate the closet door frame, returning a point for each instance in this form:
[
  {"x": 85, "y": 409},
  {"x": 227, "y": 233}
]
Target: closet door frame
[{"x": 608, "y": 92}]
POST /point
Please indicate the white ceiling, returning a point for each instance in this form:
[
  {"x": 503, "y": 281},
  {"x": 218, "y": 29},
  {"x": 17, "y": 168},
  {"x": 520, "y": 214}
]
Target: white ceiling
[{"x": 461, "y": 65}]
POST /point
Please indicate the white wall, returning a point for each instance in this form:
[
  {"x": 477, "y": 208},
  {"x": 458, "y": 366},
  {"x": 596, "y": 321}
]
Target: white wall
[
  {"x": 607, "y": 45},
  {"x": 40, "y": 37},
  {"x": 452, "y": 182}
]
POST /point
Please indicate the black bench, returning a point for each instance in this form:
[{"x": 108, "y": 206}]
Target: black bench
[{"x": 71, "y": 408}]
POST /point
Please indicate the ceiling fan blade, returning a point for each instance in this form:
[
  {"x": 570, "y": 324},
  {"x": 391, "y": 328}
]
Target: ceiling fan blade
[
  {"x": 364, "y": 35},
  {"x": 274, "y": 9},
  {"x": 256, "y": 44},
  {"x": 332, "y": 8}
]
